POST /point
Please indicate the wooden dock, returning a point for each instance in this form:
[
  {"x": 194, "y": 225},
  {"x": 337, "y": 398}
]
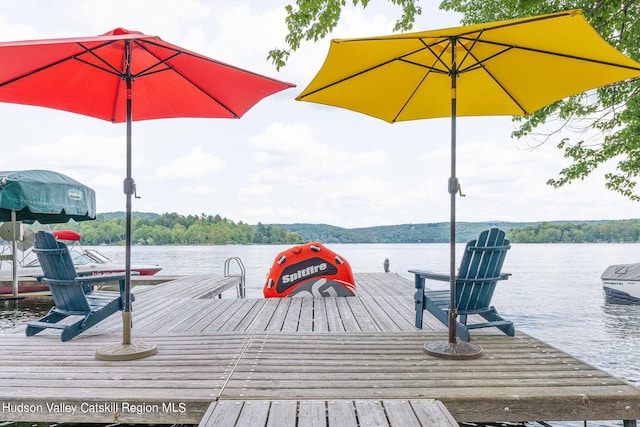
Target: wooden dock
[{"x": 297, "y": 361}]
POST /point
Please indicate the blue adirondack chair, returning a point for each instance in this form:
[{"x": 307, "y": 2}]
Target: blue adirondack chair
[
  {"x": 72, "y": 294},
  {"x": 480, "y": 270}
]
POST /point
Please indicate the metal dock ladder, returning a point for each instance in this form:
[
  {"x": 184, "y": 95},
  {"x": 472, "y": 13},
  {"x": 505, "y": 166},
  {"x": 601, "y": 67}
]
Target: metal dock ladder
[{"x": 241, "y": 286}]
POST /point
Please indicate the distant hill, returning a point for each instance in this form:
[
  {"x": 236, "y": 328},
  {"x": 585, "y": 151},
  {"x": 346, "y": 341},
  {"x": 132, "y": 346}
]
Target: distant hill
[
  {"x": 407, "y": 233},
  {"x": 522, "y": 232},
  {"x": 121, "y": 215}
]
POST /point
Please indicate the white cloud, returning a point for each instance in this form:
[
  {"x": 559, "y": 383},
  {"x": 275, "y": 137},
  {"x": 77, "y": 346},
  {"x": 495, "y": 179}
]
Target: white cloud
[
  {"x": 292, "y": 153},
  {"x": 198, "y": 190},
  {"x": 76, "y": 150},
  {"x": 284, "y": 161},
  {"x": 255, "y": 191},
  {"x": 106, "y": 180},
  {"x": 195, "y": 165}
]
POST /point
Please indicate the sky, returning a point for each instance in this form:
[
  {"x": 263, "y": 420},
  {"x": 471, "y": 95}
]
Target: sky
[{"x": 285, "y": 161}]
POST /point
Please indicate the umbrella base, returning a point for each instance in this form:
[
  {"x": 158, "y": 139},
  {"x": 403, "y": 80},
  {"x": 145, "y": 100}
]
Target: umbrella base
[
  {"x": 459, "y": 350},
  {"x": 126, "y": 351}
]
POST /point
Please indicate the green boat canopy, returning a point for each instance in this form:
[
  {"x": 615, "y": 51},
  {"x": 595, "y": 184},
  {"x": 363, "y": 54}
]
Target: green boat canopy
[{"x": 44, "y": 196}]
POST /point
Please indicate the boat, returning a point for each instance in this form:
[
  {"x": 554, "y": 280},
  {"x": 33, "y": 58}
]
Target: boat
[
  {"x": 86, "y": 261},
  {"x": 309, "y": 270},
  {"x": 622, "y": 282}
]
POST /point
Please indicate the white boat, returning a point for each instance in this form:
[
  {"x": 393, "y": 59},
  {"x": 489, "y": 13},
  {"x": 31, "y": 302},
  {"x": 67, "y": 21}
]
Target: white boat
[
  {"x": 86, "y": 261},
  {"x": 622, "y": 282}
]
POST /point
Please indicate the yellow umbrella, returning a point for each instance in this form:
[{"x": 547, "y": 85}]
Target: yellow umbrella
[{"x": 509, "y": 67}]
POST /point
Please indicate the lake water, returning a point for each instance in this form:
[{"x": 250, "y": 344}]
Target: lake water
[{"x": 554, "y": 294}]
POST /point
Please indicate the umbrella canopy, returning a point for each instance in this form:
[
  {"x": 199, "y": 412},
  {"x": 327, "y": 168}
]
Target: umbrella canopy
[
  {"x": 44, "y": 196},
  {"x": 88, "y": 75},
  {"x": 122, "y": 76},
  {"x": 502, "y": 68},
  {"x": 509, "y": 67}
]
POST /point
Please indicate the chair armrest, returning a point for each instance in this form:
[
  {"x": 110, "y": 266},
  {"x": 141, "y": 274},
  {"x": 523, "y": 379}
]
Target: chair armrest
[
  {"x": 99, "y": 278},
  {"x": 431, "y": 275},
  {"x": 484, "y": 279},
  {"x": 421, "y": 275}
]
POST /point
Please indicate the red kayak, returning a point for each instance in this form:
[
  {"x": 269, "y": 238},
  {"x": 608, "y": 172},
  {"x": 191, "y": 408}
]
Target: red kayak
[{"x": 309, "y": 270}]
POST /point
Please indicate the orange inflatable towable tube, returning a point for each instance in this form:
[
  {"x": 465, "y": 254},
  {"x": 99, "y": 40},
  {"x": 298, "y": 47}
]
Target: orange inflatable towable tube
[{"x": 309, "y": 270}]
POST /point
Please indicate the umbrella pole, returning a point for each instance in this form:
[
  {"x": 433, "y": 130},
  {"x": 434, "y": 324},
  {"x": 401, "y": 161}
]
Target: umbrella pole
[
  {"x": 14, "y": 254},
  {"x": 129, "y": 189},
  {"x": 127, "y": 350},
  {"x": 452, "y": 349}
]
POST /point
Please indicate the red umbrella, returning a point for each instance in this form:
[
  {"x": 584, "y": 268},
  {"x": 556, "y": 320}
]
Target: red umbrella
[{"x": 123, "y": 76}]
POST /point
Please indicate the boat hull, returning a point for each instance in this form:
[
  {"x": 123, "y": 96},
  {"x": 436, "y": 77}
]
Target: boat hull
[
  {"x": 628, "y": 291},
  {"x": 23, "y": 288},
  {"x": 622, "y": 282},
  {"x": 107, "y": 268}
]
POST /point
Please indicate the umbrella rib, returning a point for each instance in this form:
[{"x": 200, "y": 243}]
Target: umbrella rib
[
  {"x": 469, "y": 52},
  {"x": 36, "y": 71},
  {"x": 496, "y": 26},
  {"x": 146, "y": 71},
  {"x": 401, "y": 58},
  {"x": 203, "y": 58},
  {"x": 169, "y": 67},
  {"x": 108, "y": 69},
  {"x": 480, "y": 63},
  {"x": 552, "y": 53},
  {"x": 352, "y": 76},
  {"x": 60, "y": 61},
  {"x": 437, "y": 56},
  {"x": 411, "y": 96},
  {"x": 430, "y": 69},
  {"x": 117, "y": 94}
]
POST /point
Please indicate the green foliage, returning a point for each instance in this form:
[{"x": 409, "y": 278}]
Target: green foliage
[
  {"x": 518, "y": 232},
  {"x": 174, "y": 229},
  {"x": 552, "y": 232},
  {"x": 404, "y": 233},
  {"x": 610, "y": 116},
  {"x": 314, "y": 19}
]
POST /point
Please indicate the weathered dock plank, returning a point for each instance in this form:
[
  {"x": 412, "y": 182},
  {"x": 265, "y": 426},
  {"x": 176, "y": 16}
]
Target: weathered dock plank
[
  {"x": 245, "y": 313},
  {"x": 176, "y": 384},
  {"x": 363, "y": 313},
  {"x": 318, "y": 413},
  {"x": 197, "y": 286},
  {"x": 287, "y": 361},
  {"x": 517, "y": 379}
]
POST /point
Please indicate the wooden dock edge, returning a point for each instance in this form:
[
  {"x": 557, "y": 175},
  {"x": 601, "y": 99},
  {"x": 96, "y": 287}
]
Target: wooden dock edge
[
  {"x": 255, "y": 350},
  {"x": 318, "y": 413}
]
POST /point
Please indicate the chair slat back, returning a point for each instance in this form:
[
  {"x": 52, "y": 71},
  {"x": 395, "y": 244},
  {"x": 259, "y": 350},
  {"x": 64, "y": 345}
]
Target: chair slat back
[
  {"x": 483, "y": 259},
  {"x": 59, "y": 273}
]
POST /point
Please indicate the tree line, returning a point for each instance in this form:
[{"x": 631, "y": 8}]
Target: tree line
[
  {"x": 627, "y": 231},
  {"x": 175, "y": 229},
  {"x": 595, "y": 231}
]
